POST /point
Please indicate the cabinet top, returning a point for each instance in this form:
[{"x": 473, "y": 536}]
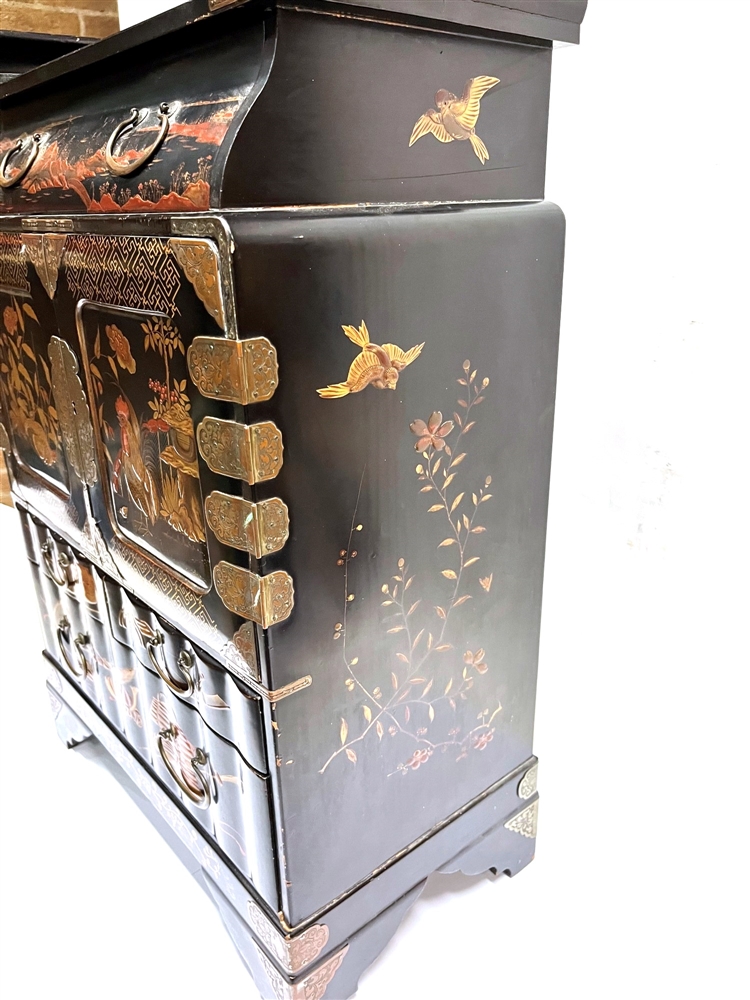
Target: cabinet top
[{"x": 546, "y": 20}]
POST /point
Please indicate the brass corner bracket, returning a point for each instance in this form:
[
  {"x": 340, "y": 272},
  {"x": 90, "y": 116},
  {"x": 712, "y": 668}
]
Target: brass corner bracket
[
  {"x": 253, "y": 452},
  {"x": 266, "y": 600},
  {"x": 258, "y": 528},
  {"x": 237, "y": 371}
]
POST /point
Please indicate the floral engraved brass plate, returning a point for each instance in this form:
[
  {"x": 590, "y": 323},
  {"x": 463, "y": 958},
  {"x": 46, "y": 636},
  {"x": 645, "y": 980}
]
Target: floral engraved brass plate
[
  {"x": 238, "y": 371},
  {"x": 72, "y": 411},
  {"x": 527, "y": 784},
  {"x": 525, "y": 822},
  {"x": 45, "y": 253},
  {"x": 200, "y": 264},
  {"x": 253, "y": 452},
  {"x": 259, "y": 528},
  {"x": 266, "y": 600},
  {"x": 312, "y": 986},
  {"x": 294, "y": 954}
]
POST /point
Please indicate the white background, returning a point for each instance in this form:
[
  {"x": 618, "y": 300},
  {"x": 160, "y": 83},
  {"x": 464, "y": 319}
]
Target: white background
[{"x": 639, "y": 886}]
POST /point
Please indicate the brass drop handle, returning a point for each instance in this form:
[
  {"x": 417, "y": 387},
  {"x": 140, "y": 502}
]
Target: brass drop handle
[
  {"x": 201, "y": 798},
  {"x": 57, "y": 568},
  {"x": 82, "y": 641},
  {"x": 125, "y": 167},
  {"x": 155, "y": 647},
  {"x": 32, "y": 149}
]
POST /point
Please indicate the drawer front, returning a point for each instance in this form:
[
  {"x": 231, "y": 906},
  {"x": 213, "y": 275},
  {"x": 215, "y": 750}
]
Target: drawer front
[
  {"x": 187, "y": 674},
  {"x": 226, "y": 796}
]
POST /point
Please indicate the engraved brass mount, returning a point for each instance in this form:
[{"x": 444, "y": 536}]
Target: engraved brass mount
[
  {"x": 253, "y": 452},
  {"x": 258, "y": 528},
  {"x": 238, "y": 371},
  {"x": 266, "y": 600}
]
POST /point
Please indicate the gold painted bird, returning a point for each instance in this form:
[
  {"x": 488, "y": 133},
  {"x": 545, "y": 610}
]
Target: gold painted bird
[
  {"x": 456, "y": 119},
  {"x": 376, "y": 364}
]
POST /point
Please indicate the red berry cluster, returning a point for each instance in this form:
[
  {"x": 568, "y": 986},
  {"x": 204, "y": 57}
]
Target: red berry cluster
[{"x": 163, "y": 391}]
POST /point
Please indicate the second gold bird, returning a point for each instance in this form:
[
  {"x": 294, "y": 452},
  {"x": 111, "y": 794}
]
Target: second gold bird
[
  {"x": 378, "y": 365},
  {"x": 456, "y": 119}
]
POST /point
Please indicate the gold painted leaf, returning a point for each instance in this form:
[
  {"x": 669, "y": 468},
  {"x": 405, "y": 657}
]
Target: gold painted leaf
[
  {"x": 458, "y": 459},
  {"x": 449, "y": 480},
  {"x": 478, "y": 530},
  {"x": 431, "y": 713},
  {"x": 425, "y": 489},
  {"x": 417, "y": 680},
  {"x": 344, "y": 731},
  {"x": 437, "y": 465},
  {"x": 30, "y": 312},
  {"x": 396, "y": 628},
  {"x": 416, "y": 641},
  {"x": 448, "y": 686},
  {"x": 443, "y": 647},
  {"x": 468, "y": 427},
  {"x": 435, "y": 506},
  {"x": 25, "y": 347},
  {"x": 467, "y": 522},
  {"x": 407, "y": 714},
  {"x": 462, "y": 600},
  {"x": 367, "y": 712},
  {"x": 427, "y": 689},
  {"x": 403, "y": 657},
  {"x": 486, "y": 582},
  {"x": 408, "y": 583},
  {"x": 485, "y": 497},
  {"x": 449, "y": 574},
  {"x": 394, "y": 681},
  {"x": 440, "y": 612},
  {"x": 457, "y": 501},
  {"x": 413, "y": 608},
  {"x": 379, "y": 729},
  {"x": 470, "y": 562},
  {"x": 351, "y": 755},
  {"x": 447, "y": 541}
]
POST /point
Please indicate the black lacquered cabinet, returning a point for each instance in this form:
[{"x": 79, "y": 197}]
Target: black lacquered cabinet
[{"x": 280, "y": 311}]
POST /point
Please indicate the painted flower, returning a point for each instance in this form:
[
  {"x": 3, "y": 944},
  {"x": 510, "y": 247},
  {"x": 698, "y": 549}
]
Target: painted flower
[
  {"x": 433, "y": 433},
  {"x": 418, "y": 758},
  {"x": 119, "y": 344},
  {"x": 10, "y": 319},
  {"x": 476, "y": 660},
  {"x": 480, "y": 742}
]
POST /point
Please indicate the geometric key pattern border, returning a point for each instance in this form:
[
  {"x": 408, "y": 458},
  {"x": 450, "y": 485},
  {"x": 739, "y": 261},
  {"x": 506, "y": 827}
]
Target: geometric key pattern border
[{"x": 135, "y": 271}]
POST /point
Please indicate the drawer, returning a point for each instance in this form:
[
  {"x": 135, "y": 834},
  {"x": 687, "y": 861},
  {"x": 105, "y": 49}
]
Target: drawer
[{"x": 229, "y": 708}]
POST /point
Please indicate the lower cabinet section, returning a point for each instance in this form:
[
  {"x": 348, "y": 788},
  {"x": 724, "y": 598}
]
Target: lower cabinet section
[{"x": 222, "y": 787}]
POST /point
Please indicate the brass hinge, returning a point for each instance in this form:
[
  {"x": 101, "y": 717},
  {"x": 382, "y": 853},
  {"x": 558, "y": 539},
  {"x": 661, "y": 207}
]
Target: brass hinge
[
  {"x": 266, "y": 600},
  {"x": 238, "y": 371},
  {"x": 259, "y": 528},
  {"x": 253, "y": 452}
]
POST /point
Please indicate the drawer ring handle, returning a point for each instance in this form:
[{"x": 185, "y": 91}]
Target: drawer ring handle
[
  {"x": 201, "y": 799},
  {"x": 57, "y": 568},
  {"x": 125, "y": 167},
  {"x": 184, "y": 664},
  {"x": 23, "y": 169},
  {"x": 81, "y": 642}
]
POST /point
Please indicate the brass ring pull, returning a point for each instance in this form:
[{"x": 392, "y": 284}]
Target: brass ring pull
[
  {"x": 57, "y": 568},
  {"x": 125, "y": 167},
  {"x": 184, "y": 665},
  {"x": 17, "y": 147},
  {"x": 81, "y": 641},
  {"x": 201, "y": 798}
]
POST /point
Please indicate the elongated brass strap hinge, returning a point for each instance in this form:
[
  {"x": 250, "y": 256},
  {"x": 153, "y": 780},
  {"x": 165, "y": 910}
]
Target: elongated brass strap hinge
[
  {"x": 238, "y": 371},
  {"x": 253, "y": 452},
  {"x": 259, "y": 528},
  {"x": 266, "y": 600}
]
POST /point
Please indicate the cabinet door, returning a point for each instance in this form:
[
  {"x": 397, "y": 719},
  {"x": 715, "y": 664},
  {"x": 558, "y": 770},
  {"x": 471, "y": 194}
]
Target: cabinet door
[{"x": 27, "y": 322}]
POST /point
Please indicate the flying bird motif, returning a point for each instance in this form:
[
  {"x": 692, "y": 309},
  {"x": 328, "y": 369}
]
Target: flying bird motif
[
  {"x": 456, "y": 119},
  {"x": 376, "y": 364}
]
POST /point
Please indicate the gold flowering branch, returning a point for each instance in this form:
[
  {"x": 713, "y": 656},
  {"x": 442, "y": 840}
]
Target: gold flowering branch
[{"x": 415, "y": 696}]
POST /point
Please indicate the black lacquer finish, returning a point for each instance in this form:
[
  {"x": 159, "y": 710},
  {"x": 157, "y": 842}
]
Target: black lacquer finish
[{"x": 278, "y": 356}]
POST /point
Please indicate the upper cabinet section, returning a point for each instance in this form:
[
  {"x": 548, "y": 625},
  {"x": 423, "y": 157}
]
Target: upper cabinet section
[{"x": 267, "y": 105}]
